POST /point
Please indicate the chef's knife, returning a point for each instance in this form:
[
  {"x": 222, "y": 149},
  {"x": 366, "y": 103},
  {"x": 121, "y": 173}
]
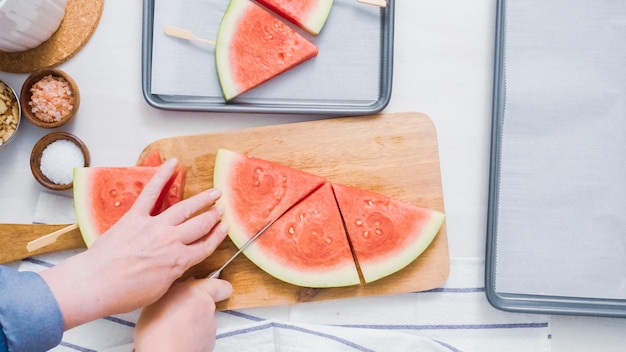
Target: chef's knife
[{"x": 216, "y": 273}]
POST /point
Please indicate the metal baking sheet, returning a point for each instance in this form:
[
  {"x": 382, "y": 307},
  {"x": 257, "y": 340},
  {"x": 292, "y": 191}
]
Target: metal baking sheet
[
  {"x": 352, "y": 74},
  {"x": 555, "y": 239}
]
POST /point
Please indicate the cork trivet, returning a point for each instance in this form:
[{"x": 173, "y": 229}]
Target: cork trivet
[{"x": 78, "y": 25}]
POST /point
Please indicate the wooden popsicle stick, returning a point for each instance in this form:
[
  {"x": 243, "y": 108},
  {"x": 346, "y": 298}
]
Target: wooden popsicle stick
[
  {"x": 185, "y": 34},
  {"x": 49, "y": 238},
  {"x": 379, "y": 3}
]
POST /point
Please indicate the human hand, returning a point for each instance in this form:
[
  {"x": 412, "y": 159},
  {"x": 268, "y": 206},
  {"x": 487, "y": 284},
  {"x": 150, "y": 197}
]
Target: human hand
[
  {"x": 183, "y": 319},
  {"x": 137, "y": 259}
]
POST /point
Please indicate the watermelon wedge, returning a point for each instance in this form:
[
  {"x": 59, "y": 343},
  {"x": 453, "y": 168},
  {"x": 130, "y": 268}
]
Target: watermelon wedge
[
  {"x": 253, "y": 46},
  {"x": 386, "y": 234},
  {"x": 310, "y": 15},
  {"x": 307, "y": 246},
  {"x": 322, "y": 240},
  {"x": 102, "y": 195}
]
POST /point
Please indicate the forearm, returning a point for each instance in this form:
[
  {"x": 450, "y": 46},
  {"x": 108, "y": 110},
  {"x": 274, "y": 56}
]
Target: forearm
[
  {"x": 75, "y": 284},
  {"x": 30, "y": 319}
]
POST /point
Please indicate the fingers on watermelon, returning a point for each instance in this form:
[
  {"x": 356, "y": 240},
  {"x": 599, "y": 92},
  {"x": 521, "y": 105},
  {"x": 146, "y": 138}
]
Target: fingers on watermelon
[
  {"x": 174, "y": 188},
  {"x": 102, "y": 195}
]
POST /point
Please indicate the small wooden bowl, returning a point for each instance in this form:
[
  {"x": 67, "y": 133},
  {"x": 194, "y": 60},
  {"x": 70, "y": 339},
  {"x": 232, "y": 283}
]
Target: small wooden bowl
[
  {"x": 40, "y": 146},
  {"x": 26, "y": 95}
]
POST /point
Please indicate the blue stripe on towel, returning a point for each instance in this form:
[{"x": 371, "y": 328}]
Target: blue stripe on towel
[
  {"x": 446, "y": 326},
  {"x": 76, "y": 347},
  {"x": 293, "y": 328},
  {"x": 38, "y": 262}
]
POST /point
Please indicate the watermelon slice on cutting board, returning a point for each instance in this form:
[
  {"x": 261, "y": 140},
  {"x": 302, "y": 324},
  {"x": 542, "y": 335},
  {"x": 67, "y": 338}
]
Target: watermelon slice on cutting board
[
  {"x": 310, "y": 15},
  {"x": 386, "y": 234},
  {"x": 253, "y": 46},
  {"x": 102, "y": 195},
  {"x": 297, "y": 247}
]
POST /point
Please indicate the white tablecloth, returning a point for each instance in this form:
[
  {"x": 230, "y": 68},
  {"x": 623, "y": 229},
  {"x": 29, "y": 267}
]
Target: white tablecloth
[{"x": 454, "y": 317}]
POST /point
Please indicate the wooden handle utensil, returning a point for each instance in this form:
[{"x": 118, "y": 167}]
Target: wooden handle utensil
[{"x": 14, "y": 239}]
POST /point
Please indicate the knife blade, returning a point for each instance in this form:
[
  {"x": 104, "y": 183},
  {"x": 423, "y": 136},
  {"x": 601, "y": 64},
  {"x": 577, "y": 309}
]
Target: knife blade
[{"x": 216, "y": 273}]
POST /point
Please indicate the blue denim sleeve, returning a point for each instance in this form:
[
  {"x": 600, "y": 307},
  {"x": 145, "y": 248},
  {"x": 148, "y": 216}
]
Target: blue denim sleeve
[{"x": 30, "y": 317}]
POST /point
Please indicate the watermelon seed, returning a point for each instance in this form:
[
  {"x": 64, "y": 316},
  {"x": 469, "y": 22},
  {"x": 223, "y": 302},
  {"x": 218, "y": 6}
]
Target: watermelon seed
[
  {"x": 358, "y": 223},
  {"x": 291, "y": 230},
  {"x": 366, "y": 234},
  {"x": 328, "y": 240},
  {"x": 117, "y": 203},
  {"x": 378, "y": 232}
]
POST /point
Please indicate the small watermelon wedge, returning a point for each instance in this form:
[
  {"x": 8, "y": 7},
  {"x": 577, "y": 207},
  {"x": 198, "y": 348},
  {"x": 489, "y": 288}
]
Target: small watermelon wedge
[
  {"x": 307, "y": 246},
  {"x": 253, "y": 46},
  {"x": 310, "y": 15},
  {"x": 386, "y": 234}
]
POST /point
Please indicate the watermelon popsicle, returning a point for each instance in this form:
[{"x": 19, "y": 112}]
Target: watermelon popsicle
[{"x": 253, "y": 46}]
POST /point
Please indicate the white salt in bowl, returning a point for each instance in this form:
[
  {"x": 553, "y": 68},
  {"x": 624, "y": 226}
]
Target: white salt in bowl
[{"x": 54, "y": 158}]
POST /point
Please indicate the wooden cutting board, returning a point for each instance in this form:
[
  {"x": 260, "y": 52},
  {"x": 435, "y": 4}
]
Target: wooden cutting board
[{"x": 395, "y": 154}]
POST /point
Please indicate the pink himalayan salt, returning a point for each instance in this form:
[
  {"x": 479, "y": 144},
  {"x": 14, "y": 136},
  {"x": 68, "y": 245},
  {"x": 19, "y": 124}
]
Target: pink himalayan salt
[{"x": 52, "y": 99}]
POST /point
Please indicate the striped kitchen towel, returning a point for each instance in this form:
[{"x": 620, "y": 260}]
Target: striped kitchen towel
[{"x": 454, "y": 317}]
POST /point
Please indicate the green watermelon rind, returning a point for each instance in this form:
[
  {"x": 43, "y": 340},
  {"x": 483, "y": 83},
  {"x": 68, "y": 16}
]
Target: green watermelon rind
[
  {"x": 317, "y": 18},
  {"x": 82, "y": 194},
  {"x": 225, "y": 34},
  {"x": 339, "y": 276},
  {"x": 426, "y": 233}
]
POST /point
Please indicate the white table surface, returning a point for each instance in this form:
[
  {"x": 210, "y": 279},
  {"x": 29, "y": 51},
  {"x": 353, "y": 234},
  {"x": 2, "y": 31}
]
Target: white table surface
[{"x": 443, "y": 63}]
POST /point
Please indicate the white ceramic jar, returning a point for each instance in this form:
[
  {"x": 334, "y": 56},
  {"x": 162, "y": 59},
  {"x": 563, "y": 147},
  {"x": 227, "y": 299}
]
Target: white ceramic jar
[{"x": 26, "y": 24}]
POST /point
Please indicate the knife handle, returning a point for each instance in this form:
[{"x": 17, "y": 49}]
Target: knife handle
[{"x": 15, "y": 237}]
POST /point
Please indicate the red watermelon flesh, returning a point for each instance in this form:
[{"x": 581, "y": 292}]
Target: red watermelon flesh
[
  {"x": 307, "y": 246},
  {"x": 152, "y": 159},
  {"x": 102, "y": 195},
  {"x": 310, "y": 15},
  {"x": 386, "y": 234},
  {"x": 253, "y": 46},
  {"x": 257, "y": 191}
]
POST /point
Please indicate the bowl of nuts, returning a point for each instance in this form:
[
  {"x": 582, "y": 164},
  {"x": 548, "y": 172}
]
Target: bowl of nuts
[
  {"x": 49, "y": 98},
  {"x": 10, "y": 113}
]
